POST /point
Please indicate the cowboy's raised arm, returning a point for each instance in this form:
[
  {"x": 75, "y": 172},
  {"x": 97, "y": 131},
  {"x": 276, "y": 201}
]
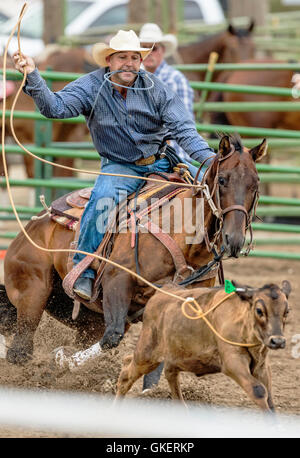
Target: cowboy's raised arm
[{"x": 70, "y": 102}]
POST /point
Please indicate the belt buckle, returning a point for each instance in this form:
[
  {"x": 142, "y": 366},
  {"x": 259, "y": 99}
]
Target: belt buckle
[{"x": 146, "y": 160}]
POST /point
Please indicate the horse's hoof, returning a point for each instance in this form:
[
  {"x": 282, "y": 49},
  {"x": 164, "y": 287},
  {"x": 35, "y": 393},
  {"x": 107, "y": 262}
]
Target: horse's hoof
[
  {"x": 111, "y": 340},
  {"x": 18, "y": 357}
]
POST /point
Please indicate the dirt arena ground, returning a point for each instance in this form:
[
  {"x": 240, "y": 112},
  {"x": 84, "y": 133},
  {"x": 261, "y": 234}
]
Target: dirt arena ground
[{"x": 101, "y": 376}]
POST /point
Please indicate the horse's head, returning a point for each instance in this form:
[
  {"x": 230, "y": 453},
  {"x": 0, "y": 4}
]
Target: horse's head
[
  {"x": 233, "y": 181},
  {"x": 238, "y": 44}
]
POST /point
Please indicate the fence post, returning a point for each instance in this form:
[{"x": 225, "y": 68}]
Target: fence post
[
  {"x": 43, "y": 138},
  {"x": 213, "y": 57}
]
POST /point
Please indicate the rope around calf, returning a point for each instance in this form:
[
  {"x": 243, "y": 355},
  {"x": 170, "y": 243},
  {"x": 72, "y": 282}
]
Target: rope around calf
[
  {"x": 64, "y": 250},
  {"x": 199, "y": 314}
]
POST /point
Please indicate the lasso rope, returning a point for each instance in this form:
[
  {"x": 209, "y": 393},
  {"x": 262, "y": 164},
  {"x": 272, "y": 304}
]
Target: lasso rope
[
  {"x": 64, "y": 250},
  {"x": 199, "y": 314}
]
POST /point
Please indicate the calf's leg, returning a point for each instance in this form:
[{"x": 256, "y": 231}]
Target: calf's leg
[
  {"x": 172, "y": 376},
  {"x": 264, "y": 375},
  {"x": 238, "y": 368},
  {"x": 131, "y": 372}
]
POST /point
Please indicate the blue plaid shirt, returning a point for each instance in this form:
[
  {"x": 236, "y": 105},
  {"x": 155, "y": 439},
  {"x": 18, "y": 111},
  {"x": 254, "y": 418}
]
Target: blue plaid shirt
[
  {"x": 123, "y": 130},
  {"x": 181, "y": 86}
]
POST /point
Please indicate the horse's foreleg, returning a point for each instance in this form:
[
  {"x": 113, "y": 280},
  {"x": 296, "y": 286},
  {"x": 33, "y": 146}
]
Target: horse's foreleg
[{"x": 117, "y": 295}]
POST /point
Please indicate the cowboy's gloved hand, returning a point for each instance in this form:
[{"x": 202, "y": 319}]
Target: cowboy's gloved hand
[{"x": 23, "y": 63}]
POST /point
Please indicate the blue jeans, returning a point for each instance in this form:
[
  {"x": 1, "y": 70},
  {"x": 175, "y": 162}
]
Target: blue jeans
[{"x": 107, "y": 192}]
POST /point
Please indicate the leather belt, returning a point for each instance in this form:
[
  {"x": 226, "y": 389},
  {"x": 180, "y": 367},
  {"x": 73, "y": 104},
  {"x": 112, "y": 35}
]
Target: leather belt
[{"x": 147, "y": 160}]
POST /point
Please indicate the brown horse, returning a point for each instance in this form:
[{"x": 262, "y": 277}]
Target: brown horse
[
  {"x": 233, "y": 45},
  {"x": 61, "y": 59},
  {"x": 265, "y": 119},
  {"x": 33, "y": 277}
]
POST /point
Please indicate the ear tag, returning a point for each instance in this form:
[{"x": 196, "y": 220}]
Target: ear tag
[{"x": 229, "y": 287}]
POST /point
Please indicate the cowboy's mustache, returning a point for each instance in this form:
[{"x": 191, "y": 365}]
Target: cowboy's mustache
[{"x": 123, "y": 70}]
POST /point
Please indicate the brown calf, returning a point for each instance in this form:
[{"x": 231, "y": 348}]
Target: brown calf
[{"x": 250, "y": 316}]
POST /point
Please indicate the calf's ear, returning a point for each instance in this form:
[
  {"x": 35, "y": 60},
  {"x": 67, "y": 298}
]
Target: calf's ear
[
  {"x": 259, "y": 151},
  {"x": 286, "y": 288}
]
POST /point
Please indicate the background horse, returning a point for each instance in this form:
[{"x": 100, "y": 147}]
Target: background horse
[
  {"x": 265, "y": 119},
  {"x": 33, "y": 277},
  {"x": 232, "y": 45}
]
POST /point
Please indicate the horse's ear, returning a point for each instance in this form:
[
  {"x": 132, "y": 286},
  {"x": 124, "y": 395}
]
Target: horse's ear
[
  {"x": 231, "y": 29},
  {"x": 286, "y": 288},
  {"x": 224, "y": 146},
  {"x": 258, "y": 152},
  {"x": 251, "y": 26}
]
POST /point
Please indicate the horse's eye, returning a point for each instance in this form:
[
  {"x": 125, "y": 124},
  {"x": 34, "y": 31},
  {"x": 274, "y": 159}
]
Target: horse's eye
[
  {"x": 222, "y": 181},
  {"x": 259, "y": 312}
]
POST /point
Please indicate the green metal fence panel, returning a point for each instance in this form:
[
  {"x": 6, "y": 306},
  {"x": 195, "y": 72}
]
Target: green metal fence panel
[
  {"x": 248, "y": 106},
  {"x": 239, "y": 88},
  {"x": 276, "y": 138},
  {"x": 274, "y": 255}
]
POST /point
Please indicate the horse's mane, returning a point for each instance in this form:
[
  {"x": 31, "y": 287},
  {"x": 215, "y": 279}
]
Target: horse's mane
[
  {"x": 203, "y": 40},
  {"x": 239, "y": 32},
  {"x": 236, "y": 141}
]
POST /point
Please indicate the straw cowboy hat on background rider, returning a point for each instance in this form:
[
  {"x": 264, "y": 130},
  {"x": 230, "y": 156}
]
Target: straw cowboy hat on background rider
[{"x": 151, "y": 34}]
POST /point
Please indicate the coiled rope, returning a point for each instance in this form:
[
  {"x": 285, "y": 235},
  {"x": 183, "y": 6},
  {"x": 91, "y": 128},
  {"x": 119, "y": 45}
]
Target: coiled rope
[{"x": 64, "y": 250}]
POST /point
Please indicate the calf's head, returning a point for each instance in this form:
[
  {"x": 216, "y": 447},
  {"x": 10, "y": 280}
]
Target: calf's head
[{"x": 270, "y": 309}]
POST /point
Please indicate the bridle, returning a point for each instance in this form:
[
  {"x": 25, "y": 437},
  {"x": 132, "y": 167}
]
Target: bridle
[{"x": 213, "y": 199}]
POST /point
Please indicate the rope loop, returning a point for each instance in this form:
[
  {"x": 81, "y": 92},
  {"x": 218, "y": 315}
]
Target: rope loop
[{"x": 199, "y": 314}]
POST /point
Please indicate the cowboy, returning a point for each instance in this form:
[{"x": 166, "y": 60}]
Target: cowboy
[
  {"x": 164, "y": 46},
  {"x": 128, "y": 112}
]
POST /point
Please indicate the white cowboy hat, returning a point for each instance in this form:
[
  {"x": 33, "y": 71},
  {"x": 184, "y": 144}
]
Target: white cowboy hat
[
  {"x": 122, "y": 41},
  {"x": 151, "y": 33}
]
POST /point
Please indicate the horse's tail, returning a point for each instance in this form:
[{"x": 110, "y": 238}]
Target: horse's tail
[{"x": 8, "y": 314}]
